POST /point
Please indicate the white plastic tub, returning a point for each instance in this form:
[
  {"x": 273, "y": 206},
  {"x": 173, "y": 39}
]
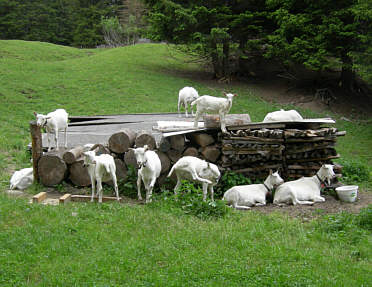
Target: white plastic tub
[{"x": 347, "y": 193}]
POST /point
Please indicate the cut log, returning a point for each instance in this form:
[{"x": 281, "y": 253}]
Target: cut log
[
  {"x": 72, "y": 155},
  {"x": 177, "y": 142},
  {"x": 164, "y": 144},
  {"x": 121, "y": 141},
  {"x": 201, "y": 139},
  {"x": 165, "y": 161},
  {"x": 191, "y": 151},
  {"x": 174, "y": 155},
  {"x": 130, "y": 159},
  {"x": 52, "y": 169},
  {"x": 121, "y": 171},
  {"x": 79, "y": 175},
  {"x": 145, "y": 138},
  {"x": 100, "y": 149},
  {"x": 213, "y": 121},
  {"x": 211, "y": 153}
]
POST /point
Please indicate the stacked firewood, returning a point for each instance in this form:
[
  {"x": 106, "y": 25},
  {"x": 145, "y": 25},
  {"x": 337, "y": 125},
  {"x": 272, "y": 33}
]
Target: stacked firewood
[{"x": 253, "y": 152}]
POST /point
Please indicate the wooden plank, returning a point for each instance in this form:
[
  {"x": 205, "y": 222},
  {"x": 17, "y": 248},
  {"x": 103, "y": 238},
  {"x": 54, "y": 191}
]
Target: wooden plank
[
  {"x": 39, "y": 197},
  {"x": 256, "y": 139},
  {"x": 313, "y": 159},
  {"x": 65, "y": 198},
  {"x": 86, "y": 198},
  {"x": 213, "y": 121},
  {"x": 256, "y": 125}
]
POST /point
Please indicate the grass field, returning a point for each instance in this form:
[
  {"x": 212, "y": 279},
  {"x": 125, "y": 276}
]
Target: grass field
[{"x": 154, "y": 245}]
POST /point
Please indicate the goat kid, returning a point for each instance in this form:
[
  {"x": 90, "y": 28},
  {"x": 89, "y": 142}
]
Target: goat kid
[
  {"x": 185, "y": 96},
  {"x": 53, "y": 122},
  {"x": 195, "y": 169},
  {"x": 149, "y": 170},
  {"x": 100, "y": 168},
  {"x": 305, "y": 190},
  {"x": 245, "y": 196},
  {"x": 216, "y": 105}
]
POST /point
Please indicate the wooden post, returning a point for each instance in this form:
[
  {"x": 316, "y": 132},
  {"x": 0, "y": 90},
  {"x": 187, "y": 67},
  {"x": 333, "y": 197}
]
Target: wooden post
[{"x": 37, "y": 148}]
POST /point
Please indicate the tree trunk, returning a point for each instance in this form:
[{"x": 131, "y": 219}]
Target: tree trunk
[
  {"x": 145, "y": 138},
  {"x": 121, "y": 141},
  {"x": 52, "y": 169},
  {"x": 347, "y": 73}
]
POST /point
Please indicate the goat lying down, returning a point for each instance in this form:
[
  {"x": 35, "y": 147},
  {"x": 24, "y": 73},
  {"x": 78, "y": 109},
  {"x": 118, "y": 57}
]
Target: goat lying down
[
  {"x": 245, "y": 196},
  {"x": 283, "y": 116},
  {"x": 305, "y": 190},
  {"x": 100, "y": 168},
  {"x": 149, "y": 170},
  {"x": 195, "y": 169},
  {"x": 53, "y": 123}
]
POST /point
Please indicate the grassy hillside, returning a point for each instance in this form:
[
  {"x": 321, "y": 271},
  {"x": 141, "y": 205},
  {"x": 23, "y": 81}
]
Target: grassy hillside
[{"x": 157, "y": 245}]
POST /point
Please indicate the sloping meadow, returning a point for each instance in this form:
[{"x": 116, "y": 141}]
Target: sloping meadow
[{"x": 158, "y": 244}]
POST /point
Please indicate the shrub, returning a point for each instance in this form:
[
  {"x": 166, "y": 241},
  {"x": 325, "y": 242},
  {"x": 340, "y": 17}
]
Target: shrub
[
  {"x": 190, "y": 200},
  {"x": 230, "y": 179},
  {"x": 128, "y": 187},
  {"x": 353, "y": 172}
]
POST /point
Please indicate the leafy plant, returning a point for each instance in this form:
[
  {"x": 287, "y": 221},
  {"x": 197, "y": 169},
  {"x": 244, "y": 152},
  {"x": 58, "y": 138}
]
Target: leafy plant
[
  {"x": 128, "y": 187},
  {"x": 364, "y": 219},
  {"x": 354, "y": 172},
  {"x": 230, "y": 179}
]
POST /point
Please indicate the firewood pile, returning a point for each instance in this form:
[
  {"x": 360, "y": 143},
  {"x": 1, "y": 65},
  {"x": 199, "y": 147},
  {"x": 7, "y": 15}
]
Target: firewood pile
[{"x": 251, "y": 149}]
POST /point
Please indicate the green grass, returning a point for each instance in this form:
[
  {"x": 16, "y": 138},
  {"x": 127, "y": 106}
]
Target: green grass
[{"x": 154, "y": 245}]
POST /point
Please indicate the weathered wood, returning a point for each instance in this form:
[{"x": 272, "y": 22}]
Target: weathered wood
[
  {"x": 145, "y": 138},
  {"x": 52, "y": 168},
  {"x": 255, "y": 139},
  {"x": 121, "y": 169},
  {"x": 213, "y": 121},
  {"x": 65, "y": 198},
  {"x": 39, "y": 197},
  {"x": 165, "y": 161},
  {"x": 259, "y": 169},
  {"x": 191, "y": 151},
  {"x": 72, "y": 155},
  {"x": 37, "y": 148},
  {"x": 78, "y": 174},
  {"x": 177, "y": 142},
  {"x": 211, "y": 153},
  {"x": 322, "y": 159},
  {"x": 201, "y": 139},
  {"x": 164, "y": 144},
  {"x": 100, "y": 149},
  {"x": 130, "y": 159},
  {"x": 310, "y": 139},
  {"x": 86, "y": 198},
  {"x": 174, "y": 155},
  {"x": 121, "y": 141}
]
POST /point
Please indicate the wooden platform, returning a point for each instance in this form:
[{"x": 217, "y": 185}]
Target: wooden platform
[{"x": 98, "y": 129}]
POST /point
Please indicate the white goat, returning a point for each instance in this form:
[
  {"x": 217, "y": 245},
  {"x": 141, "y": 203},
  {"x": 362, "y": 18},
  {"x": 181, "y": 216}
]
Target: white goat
[
  {"x": 185, "y": 97},
  {"x": 283, "y": 116},
  {"x": 53, "y": 122},
  {"x": 245, "y": 196},
  {"x": 211, "y": 104},
  {"x": 100, "y": 168},
  {"x": 149, "y": 170},
  {"x": 195, "y": 169},
  {"x": 305, "y": 190}
]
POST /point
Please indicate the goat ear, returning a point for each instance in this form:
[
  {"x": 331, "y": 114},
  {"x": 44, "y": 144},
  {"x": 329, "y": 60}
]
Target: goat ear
[
  {"x": 235, "y": 95},
  {"x": 225, "y": 94},
  {"x": 146, "y": 147},
  {"x": 271, "y": 172},
  {"x": 35, "y": 114},
  {"x": 48, "y": 118},
  {"x": 96, "y": 149}
]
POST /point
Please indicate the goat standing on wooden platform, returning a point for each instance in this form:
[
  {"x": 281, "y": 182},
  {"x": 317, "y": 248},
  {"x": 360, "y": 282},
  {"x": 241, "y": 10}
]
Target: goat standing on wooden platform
[
  {"x": 305, "y": 190},
  {"x": 149, "y": 170},
  {"x": 245, "y": 196},
  {"x": 53, "y": 122},
  {"x": 216, "y": 105},
  {"x": 100, "y": 168},
  {"x": 185, "y": 97}
]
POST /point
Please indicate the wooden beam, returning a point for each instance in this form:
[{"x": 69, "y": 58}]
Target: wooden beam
[
  {"x": 37, "y": 148},
  {"x": 85, "y": 198},
  {"x": 39, "y": 197},
  {"x": 65, "y": 198}
]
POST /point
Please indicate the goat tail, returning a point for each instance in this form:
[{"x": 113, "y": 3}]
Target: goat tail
[{"x": 171, "y": 171}]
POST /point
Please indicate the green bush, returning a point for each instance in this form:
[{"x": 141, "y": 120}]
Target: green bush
[
  {"x": 128, "y": 187},
  {"x": 228, "y": 180},
  {"x": 354, "y": 172},
  {"x": 189, "y": 199}
]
